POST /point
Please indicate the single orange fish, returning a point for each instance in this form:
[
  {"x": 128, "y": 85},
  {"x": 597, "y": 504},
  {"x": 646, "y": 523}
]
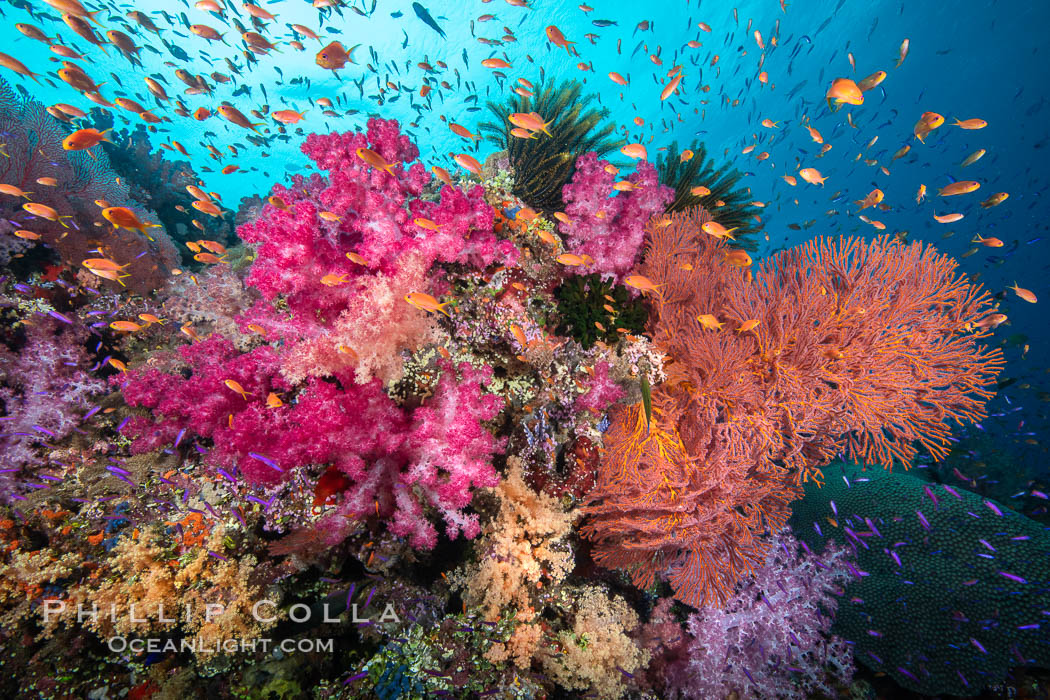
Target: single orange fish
[
  {"x": 375, "y": 160},
  {"x": 425, "y": 302}
]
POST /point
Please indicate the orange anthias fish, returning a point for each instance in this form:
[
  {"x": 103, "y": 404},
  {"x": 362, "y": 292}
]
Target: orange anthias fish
[
  {"x": 709, "y": 321},
  {"x": 947, "y": 218},
  {"x": 872, "y": 80},
  {"x": 235, "y": 116},
  {"x": 748, "y": 325},
  {"x": 970, "y": 123},
  {"x": 635, "y": 150},
  {"x": 45, "y": 212},
  {"x": 12, "y": 63},
  {"x": 995, "y": 200},
  {"x": 640, "y": 282},
  {"x": 125, "y": 326},
  {"x": 960, "y": 187},
  {"x": 468, "y": 162},
  {"x": 671, "y": 87},
  {"x": 716, "y": 229},
  {"x": 288, "y": 116},
  {"x": 425, "y": 302},
  {"x": 463, "y": 131},
  {"x": 927, "y": 123},
  {"x": 530, "y": 121},
  {"x": 122, "y": 217},
  {"x": 235, "y": 386},
  {"x": 558, "y": 39},
  {"x": 844, "y": 91},
  {"x": 873, "y": 198},
  {"x": 375, "y": 160},
  {"x": 1025, "y": 294},
  {"x": 989, "y": 242},
  {"x": 84, "y": 138},
  {"x": 812, "y": 176},
  {"x": 738, "y": 258}
]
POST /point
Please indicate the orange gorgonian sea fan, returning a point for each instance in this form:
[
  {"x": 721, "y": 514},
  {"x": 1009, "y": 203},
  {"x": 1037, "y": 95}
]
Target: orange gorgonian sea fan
[{"x": 867, "y": 348}]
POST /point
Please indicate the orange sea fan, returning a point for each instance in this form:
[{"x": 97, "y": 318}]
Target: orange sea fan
[{"x": 859, "y": 347}]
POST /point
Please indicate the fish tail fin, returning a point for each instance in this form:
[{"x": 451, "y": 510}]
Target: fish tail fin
[
  {"x": 91, "y": 16},
  {"x": 63, "y": 222},
  {"x": 390, "y": 169},
  {"x": 26, "y": 195}
]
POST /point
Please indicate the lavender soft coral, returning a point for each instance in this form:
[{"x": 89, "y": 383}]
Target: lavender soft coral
[
  {"x": 772, "y": 638},
  {"x": 44, "y": 389},
  {"x": 611, "y": 229}
]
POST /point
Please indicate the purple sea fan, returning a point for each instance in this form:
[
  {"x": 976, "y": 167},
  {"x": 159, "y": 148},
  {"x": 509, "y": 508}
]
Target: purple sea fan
[{"x": 772, "y": 639}]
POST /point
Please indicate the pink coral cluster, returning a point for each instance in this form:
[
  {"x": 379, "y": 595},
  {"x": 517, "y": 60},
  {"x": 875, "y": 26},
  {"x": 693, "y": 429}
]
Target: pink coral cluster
[
  {"x": 602, "y": 391},
  {"x": 396, "y": 462},
  {"x": 304, "y": 241},
  {"x": 771, "y": 640},
  {"x": 611, "y": 229}
]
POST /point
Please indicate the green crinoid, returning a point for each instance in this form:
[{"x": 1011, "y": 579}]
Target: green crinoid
[
  {"x": 582, "y": 300},
  {"x": 543, "y": 165},
  {"x": 700, "y": 170}
]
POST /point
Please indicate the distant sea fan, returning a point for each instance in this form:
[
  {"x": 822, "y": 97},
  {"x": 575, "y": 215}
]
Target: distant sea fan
[{"x": 33, "y": 141}]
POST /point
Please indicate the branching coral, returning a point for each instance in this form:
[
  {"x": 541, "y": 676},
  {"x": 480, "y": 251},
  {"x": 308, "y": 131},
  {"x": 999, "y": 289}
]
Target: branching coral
[
  {"x": 772, "y": 638},
  {"x": 598, "y": 653},
  {"x": 854, "y": 346},
  {"x": 44, "y": 389},
  {"x": 332, "y": 300},
  {"x": 523, "y": 550},
  {"x": 543, "y": 165}
]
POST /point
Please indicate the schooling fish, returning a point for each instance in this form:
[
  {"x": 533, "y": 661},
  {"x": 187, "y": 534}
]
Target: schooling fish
[{"x": 422, "y": 13}]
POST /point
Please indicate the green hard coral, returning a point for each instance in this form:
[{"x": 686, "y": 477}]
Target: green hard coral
[
  {"x": 951, "y": 588},
  {"x": 544, "y": 164},
  {"x": 582, "y": 302},
  {"x": 700, "y": 171}
]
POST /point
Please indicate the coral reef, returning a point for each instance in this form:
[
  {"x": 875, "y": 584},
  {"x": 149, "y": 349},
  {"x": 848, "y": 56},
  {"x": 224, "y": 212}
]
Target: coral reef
[
  {"x": 33, "y": 144},
  {"x": 610, "y": 229},
  {"x": 770, "y": 640}
]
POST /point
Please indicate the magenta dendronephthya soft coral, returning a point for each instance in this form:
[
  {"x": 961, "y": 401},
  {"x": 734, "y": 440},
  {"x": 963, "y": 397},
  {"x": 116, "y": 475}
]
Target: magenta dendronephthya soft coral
[{"x": 608, "y": 228}]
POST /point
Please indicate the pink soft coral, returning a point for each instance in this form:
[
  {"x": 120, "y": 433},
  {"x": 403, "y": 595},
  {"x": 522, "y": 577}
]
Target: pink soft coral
[
  {"x": 610, "y": 229},
  {"x": 331, "y": 300},
  {"x": 602, "y": 391},
  {"x": 397, "y": 461}
]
